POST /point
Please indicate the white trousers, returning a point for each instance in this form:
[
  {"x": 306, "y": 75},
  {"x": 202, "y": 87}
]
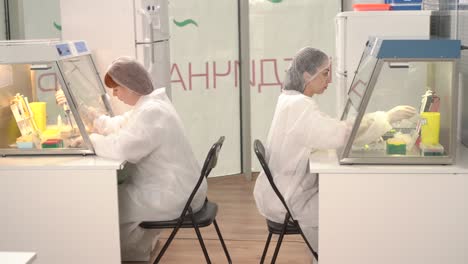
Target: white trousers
[
  {"x": 137, "y": 243},
  {"x": 311, "y": 233}
]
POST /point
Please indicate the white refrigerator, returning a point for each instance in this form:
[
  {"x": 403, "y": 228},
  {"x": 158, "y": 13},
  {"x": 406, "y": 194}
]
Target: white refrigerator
[
  {"x": 114, "y": 28},
  {"x": 352, "y": 32}
]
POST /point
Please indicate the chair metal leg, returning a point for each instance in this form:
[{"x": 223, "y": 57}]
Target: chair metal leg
[
  {"x": 226, "y": 252},
  {"x": 166, "y": 245},
  {"x": 266, "y": 247},
  {"x": 278, "y": 245},
  {"x": 280, "y": 238},
  {"x": 202, "y": 244}
]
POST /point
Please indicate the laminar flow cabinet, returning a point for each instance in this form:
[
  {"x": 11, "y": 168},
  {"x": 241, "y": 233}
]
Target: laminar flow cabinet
[
  {"x": 31, "y": 121},
  {"x": 429, "y": 71}
]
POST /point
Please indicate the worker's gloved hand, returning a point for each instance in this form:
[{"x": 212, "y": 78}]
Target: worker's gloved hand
[
  {"x": 90, "y": 113},
  {"x": 76, "y": 142},
  {"x": 60, "y": 97},
  {"x": 400, "y": 112}
]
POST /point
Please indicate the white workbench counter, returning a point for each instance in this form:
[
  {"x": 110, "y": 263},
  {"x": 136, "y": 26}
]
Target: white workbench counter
[
  {"x": 59, "y": 162},
  {"x": 17, "y": 257},
  {"x": 386, "y": 214},
  {"x": 64, "y": 208}
]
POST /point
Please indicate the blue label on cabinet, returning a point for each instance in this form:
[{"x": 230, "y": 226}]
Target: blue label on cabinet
[
  {"x": 63, "y": 49},
  {"x": 81, "y": 47}
]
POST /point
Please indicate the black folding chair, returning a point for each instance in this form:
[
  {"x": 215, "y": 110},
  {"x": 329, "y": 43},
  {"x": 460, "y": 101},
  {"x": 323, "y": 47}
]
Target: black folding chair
[
  {"x": 188, "y": 219},
  {"x": 289, "y": 226}
]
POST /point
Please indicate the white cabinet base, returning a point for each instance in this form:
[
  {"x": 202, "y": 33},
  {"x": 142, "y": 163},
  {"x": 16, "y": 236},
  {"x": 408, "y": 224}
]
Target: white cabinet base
[
  {"x": 64, "y": 215},
  {"x": 393, "y": 218}
]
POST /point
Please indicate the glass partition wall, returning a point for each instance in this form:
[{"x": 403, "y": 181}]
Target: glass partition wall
[
  {"x": 205, "y": 76},
  {"x": 3, "y": 20},
  {"x": 205, "y": 73},
  {"x": 278, "y": 29}
]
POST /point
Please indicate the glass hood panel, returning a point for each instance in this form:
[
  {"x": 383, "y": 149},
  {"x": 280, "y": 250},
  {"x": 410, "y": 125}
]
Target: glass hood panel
[{"x": 87, "y": 93}]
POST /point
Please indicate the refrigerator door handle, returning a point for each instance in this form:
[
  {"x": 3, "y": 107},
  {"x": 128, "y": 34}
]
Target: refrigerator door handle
[
  {"x": 343, "y": 74},
  {"x": 157, "y": 18},
  {"x": 153, "y": 20},
  {"x": 148, "y": 34},
  {"x": 145, "y": 14},
  {"x": 148, "y": 49}
]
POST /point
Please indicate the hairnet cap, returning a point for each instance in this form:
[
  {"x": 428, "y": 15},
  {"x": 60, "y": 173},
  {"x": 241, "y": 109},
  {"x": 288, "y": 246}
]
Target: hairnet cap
[
  {"x": 308, "y": 60},
  {"x": 131, "y": 74}
]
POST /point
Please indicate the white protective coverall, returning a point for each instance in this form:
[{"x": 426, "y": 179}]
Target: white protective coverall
[
  {"x": 298, "y": 127},
  {"x": 150, "y": 136}
]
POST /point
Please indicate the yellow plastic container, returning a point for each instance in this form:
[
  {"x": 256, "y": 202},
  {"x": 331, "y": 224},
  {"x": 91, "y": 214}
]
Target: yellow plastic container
[
  {"x": 430, "y": 128},
  {"x": 50, "y": 133},
  {"x": 39, "y": 114}
]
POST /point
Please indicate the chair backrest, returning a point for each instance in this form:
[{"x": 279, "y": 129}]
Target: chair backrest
[
  {"x": 260, "y": 152},
  {"x": 210, "y": 162},
  {"x": 212, "y": 157}
]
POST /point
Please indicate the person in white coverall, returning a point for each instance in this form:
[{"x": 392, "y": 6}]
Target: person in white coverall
[
  {"x": 299, "y": 127},
  {"x": 151, "y": 137}
]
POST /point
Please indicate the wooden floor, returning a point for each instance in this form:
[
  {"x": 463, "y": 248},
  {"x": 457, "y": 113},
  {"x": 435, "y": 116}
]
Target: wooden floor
[{"x": 243, "y": 228}]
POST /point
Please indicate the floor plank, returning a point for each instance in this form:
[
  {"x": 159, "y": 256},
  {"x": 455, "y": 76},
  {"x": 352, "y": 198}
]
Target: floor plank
[{"x": 243, "y": 228}]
